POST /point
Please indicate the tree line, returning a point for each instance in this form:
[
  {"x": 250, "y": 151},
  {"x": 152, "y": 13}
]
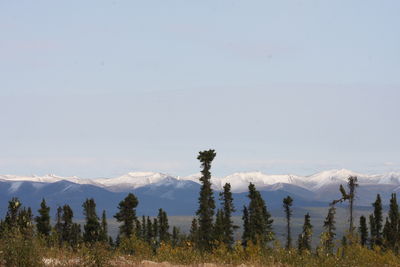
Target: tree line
[{"x": 211, "y": 227}]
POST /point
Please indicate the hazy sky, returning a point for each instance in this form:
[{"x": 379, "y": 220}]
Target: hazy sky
[{"x": 100, "y": 88}]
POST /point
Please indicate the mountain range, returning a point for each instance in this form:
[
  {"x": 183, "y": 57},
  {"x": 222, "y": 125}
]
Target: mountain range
[{"x": 178, "y": 195}]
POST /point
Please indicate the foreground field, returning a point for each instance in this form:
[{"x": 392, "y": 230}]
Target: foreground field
[{"x": 134, "y": 252}]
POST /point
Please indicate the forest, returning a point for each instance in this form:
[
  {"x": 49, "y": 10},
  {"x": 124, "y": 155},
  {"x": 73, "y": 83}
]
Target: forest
[{"x": 27, "y": 240}]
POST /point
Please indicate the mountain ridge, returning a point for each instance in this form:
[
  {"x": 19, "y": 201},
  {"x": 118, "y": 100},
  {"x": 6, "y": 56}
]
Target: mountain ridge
[{"x": 239, "y": 180}]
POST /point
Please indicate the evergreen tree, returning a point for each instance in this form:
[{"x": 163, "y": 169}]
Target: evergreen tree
[
  {"x": 11, "y": 219},
  {"x": 104, "y": 228},
  {"x": 194, "y": 231},
  {"x": 386, "y": 233},
  {"x": 260, "y": 222},
  {"x": 363, "y": 230},
  {"x": 228, "y": 209},
  {"x": 376, "y": 221},
  {"x": 149, "y": 230},
  {"x": 329, "y": 234},
  {"x": 206, "y": 201},
  {"x": 246, "y": 227},
  {"x": 75, "y": 237},
  {"x": 43, "y": 220},
  {"x": 372, "y": 230},
  {"x": 156, "y": 229},
  {"x": 287, "y": 204},
  {"x": 219, "y": 226},
  {"x": 92, "y": 227},
  {"x": 162, "y": 217},
  {"x": 392, "y": 238},
  {"x": 352, "y": 185},
  {"x": 175, "y": 236},
  {"x": 67, "y": 233},
  {"x": 58, "y": 226},
  {"x": 127, "y": 215},
  {"x": 25, "y": 222},
  {"x": 304, "y": 241},
  {"x": 144, "y": 228}
]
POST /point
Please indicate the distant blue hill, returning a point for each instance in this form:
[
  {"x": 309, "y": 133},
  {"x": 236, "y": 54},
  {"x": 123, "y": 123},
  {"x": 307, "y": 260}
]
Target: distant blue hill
[{"x": 175, "y": 197}]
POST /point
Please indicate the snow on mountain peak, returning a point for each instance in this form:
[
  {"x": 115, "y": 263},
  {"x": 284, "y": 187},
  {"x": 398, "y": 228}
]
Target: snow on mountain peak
[
  {"x": 134, "y": 179},
  {"x": 239, "y": 181}
]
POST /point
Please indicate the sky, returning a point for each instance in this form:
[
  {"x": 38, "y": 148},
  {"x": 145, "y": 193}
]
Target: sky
[{"x": 101, "y": 88}]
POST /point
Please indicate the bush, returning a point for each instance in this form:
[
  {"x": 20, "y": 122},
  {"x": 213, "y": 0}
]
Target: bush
[{"x": 18, "y": 250}]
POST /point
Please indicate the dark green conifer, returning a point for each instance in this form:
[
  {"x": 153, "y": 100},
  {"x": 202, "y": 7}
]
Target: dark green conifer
[
  {"x": 227, "y": 210},
  {"x": 163, "y": 227},
  {"x": 149, "y": 230},
  {"x": 206, "y": 201},
  {"x": 386, "y": 233},
  {"x": 352, "y": 185},
  {"x": 363, "y": 230},
  {"x": 219, "y": 226},
  {"x": 260, "y": 222},
  {"x": 194, "y": 231},
  {"x": 67, "y": 234},
  {"x": 246, "y": 227},
  {"x": 329, "y": 233},
  {"x": 43, "y": 220},
  {"x": 304, "y": 241},
  {"x": 58, "y": 228},
  {"x": 11, "y": 219},
  {"x": 372, "y": 230},
  {"x": 393, "y": 238},
  {"x": 25, "y": 222},
  {"x": 287, "y": 204},
  {"x": 92, "y": 228},
  {"x": 376, "y": 223},
  {"x": 175, "y": 236},
  {"x": 143, "y": 234},
  {"x": 127, "y": 215},
  {"x": 156, "y": 229},
  {"x": 104, "y": 227}
]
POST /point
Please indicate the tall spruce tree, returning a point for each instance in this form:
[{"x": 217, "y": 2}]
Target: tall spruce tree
[
  {"x": 163, "y": 227},
  {"x": 194, "y": 232},
  {"x": 260, "y": 222},
  {"x": 92, "y": 227},
  {"x": 246, "y": 227},
  {"x": 11, "y": 219},
  {"x": 156, "y": 230},
  {"x": 227, "y": 210},
  {"x": 376, "y": 223},
  {"x": 372, "y": 231},
  {"x": 205, "y": 212},
  {"x": 43, "y": 220},
  {"x": 304, "y": 240},
  {"x": 287, "y": 205},
  {"x": 70, "y": 231},
  {"x": 58, "y": 226},
  {"x": 218, "y": 228},
  {"x": 329, "y": 234},
  {"x": 363, "y": 230},
  {"x": 143, "y": 231},
  {"x": 350, "y": 196},
  {"x": 127, "y": 215},
  {"x": 149, "y": 230},
  {"x": 104, "y": 228},
  {"x": 392, "y": 237},
  {"x": 175, "y": 236},
  {"x": 25, "y": 222}
]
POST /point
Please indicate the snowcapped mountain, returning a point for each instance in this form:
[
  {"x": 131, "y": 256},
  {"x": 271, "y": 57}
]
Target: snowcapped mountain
[
  {"x": 179, "y": 195},
  {"x": 239, "y": 181}
]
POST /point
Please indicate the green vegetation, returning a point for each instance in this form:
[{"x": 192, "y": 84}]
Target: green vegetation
[{"x": 212, "y": 238}]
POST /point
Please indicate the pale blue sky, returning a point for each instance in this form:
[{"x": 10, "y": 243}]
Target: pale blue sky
[{"x": 100, "y": 88}]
